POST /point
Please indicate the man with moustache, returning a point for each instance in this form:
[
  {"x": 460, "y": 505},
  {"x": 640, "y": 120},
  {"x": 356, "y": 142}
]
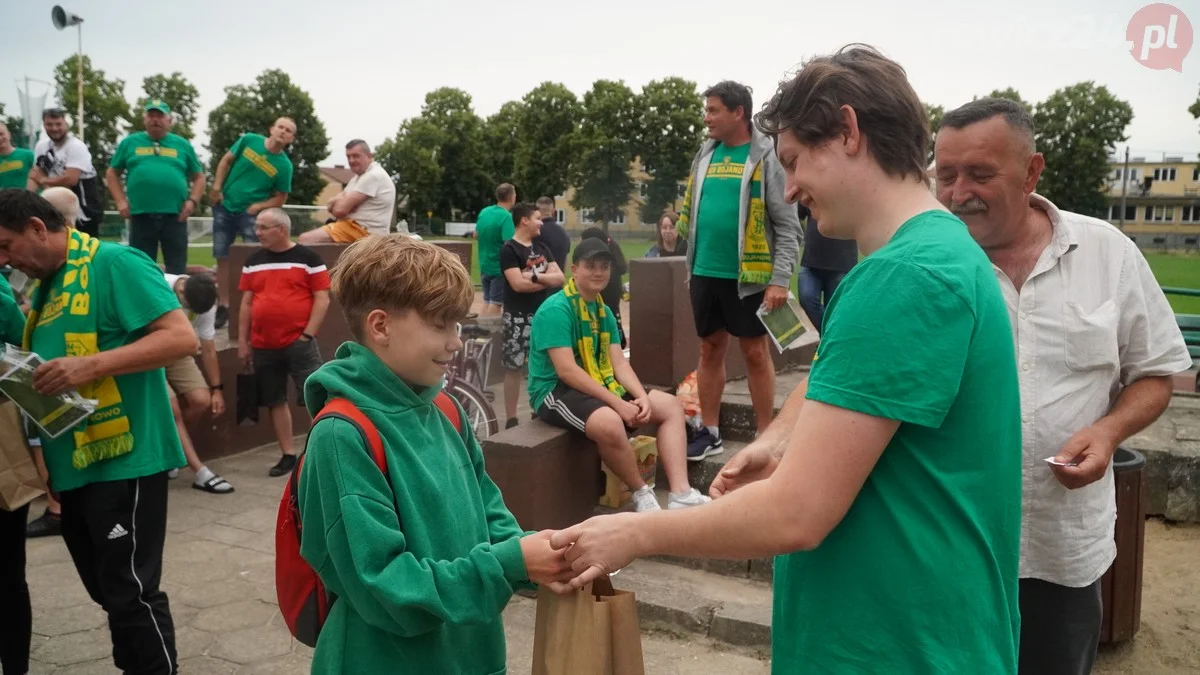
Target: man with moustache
[
  {"x": 62, "y": 160},
  {"x": 1096, "y": 346},
  {"x": 163, "y": 184}
]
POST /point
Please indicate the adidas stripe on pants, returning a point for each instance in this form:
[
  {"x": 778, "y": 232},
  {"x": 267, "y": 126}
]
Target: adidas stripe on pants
[{"x": 115, "y": 533}]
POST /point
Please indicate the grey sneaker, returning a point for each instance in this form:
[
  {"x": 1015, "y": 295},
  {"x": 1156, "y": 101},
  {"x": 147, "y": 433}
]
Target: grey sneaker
[
  {"x": 690, "y": 498},
  {"x": 644, "y": 500}
]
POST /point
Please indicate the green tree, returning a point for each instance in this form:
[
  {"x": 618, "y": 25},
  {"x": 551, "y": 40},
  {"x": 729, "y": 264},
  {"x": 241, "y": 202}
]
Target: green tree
[
  {"x": 548, "y": 140},
  {"x": 254, "y": 108},
  {"x": 104, "y": 107},
  {"x": 501, "y": 138},
  {"x": 672, "y": 130},
  {"x": 612, "y": 125},
  {"x": 16, "y": 129},
  {"x": 412, "y": 156},
  {"x": 177, "y": 92},
  {"x": 1078, "y": 128},
  {"x": 935, "y": 113},
  {"x": 1012, "y": 95}
]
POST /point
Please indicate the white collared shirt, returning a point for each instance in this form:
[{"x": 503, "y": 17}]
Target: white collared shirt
[{"x": 1090, "y": 320}]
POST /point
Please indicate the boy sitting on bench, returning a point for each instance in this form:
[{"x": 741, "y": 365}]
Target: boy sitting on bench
[{"x": 580, "y": 380}]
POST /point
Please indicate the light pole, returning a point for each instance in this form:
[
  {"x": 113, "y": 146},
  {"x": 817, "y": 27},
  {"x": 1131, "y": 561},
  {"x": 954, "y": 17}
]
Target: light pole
[{"x": 62, "y": 19}]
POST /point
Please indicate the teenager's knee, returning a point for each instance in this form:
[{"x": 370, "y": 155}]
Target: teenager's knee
[
  {"x": 664, "y": 407},
  {"x": 605, "y": 427}
]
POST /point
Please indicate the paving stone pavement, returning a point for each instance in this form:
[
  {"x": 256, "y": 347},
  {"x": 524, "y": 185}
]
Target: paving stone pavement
[{"x": 219, "y": 575}]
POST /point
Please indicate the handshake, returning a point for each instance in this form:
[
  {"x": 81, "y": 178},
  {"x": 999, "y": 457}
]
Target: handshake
[{"x": 567, "y": 560}]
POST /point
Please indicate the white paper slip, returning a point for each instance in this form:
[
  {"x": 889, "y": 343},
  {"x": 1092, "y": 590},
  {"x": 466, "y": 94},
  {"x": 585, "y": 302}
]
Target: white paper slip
[
  {"x": 788, "y": 325},
  {"x": 1051, "y": 460}
]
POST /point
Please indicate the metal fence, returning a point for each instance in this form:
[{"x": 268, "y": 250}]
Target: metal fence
[{"x": 304, "y": 218}]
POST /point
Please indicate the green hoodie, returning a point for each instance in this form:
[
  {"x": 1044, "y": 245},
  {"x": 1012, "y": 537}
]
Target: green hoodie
[{"x": 423, "y": 560}]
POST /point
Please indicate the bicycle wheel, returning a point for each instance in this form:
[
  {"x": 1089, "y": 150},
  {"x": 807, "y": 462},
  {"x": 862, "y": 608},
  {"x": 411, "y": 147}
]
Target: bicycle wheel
[{"x": 479, "y": 412}]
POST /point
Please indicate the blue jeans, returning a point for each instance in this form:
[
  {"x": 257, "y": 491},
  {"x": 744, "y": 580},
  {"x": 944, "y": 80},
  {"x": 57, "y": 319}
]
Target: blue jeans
[
  {"x": 227, "y": 225},
  {"x": 815, "y": 288}
]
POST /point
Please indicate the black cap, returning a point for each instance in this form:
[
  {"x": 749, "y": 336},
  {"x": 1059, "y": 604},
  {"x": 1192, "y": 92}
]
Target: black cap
[{"x": 591, "y": 249}]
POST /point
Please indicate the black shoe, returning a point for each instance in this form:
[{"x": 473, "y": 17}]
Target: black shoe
[
  {"x": 222, "y": 317},
  {"x": 512, "y": 422},
  {"x": 284, "y": 467},
  {"x": 46, "y": 525}
]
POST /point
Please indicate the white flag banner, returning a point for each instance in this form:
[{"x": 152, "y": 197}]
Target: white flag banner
[{"x": 31, "y": 112}]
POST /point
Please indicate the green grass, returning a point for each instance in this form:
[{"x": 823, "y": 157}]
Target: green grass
[{"x": 1170, "y": 269}]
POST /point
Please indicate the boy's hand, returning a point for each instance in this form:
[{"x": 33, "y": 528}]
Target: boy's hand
[
  {"x": 643, "y": 406},
  {"x": 629, "y": 413},
  {"x": 544, "y": 565}
]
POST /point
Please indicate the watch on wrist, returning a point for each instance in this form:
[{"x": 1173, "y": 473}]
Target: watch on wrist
[{"x": 217, "y": 387}]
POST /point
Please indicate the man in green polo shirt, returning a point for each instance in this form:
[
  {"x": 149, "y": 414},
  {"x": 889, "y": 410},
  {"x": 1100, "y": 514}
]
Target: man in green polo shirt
[
  {"x": 254, "y": 175},
  {"x": 15, "y": 163},
  {"x": 493, "y": 227},
  {"x": 163, "y": 184}
]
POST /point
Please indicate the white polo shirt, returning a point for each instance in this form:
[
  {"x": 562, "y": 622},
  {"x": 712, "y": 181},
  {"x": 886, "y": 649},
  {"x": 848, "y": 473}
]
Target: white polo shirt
[
  {"x": 375, "y": 213},
  {"x": 204, "y": 324},
  {"x": 1090, "y": 320}
]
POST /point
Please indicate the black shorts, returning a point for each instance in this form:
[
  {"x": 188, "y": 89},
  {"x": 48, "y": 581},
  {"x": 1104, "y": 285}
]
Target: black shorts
[
  {"x": 717, "y": 307},
  {"x": 273, "y": 366},
  {"x": 570, "y": 409},
  {"x": 517, "y": 329}
]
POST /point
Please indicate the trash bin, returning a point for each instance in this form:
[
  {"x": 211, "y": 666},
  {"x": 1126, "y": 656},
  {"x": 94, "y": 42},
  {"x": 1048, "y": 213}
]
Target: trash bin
[{"x": 1121, "y": 586}]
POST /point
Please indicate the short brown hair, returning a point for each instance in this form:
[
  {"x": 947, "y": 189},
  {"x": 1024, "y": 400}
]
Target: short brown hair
[
  {"x": 395, "y": 272},
  {"x": 890, "y": 116},
  {"x": 669, "y": 214},
  {"x": 505, "y": 192}
]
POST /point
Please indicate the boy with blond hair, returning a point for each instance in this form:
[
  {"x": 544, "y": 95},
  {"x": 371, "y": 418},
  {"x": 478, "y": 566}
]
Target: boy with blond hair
[{"x": 422, "y": 560}]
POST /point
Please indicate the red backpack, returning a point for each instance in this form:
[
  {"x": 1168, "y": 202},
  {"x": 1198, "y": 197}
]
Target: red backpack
[{"x": 303, "y": 600}]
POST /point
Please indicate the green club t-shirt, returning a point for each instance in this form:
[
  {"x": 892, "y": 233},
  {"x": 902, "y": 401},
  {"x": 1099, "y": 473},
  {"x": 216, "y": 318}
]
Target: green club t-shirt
[
  {"x": 555, "y": 325},
  {"x": 717, "y": 220},
  {"x": 156, "y": 173},
  {"x": 255, "y": 174},
  {"x": 14, "y": 168},
  {"x": 12, "y": 321},
  {"x": 128, "y": 293},
  {"x": 493, "y": 227},
  {"x": 920, "y": 576}
]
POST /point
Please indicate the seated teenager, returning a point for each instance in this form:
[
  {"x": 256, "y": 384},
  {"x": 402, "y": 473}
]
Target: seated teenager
[{"x": 580, "y": 380}]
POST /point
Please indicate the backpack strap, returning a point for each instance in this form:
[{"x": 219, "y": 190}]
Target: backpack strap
[
  {"x": 343, "y": 409},
  {"x": 449, "y": 409}
]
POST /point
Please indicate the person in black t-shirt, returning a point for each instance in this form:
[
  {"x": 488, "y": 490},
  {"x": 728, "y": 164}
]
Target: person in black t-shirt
[
  {"x": 530, "y": 271},
  {"x": 822, "y": 267},
  {"x": 553, "y": 234}
]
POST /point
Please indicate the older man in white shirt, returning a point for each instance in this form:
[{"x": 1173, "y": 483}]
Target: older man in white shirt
[
  {"x": 1097, "y": 344},
  {"x": 364, "y": 208}
]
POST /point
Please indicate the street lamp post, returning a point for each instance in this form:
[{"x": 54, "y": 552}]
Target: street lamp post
[{"x": 63, "y": 19}]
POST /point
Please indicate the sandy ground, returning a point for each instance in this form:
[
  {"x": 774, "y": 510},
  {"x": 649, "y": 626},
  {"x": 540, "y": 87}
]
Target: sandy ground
[{"x": 1168, "y": 642}]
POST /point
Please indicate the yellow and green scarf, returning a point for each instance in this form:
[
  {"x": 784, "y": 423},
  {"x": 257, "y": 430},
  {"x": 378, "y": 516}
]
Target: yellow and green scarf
[
  {"x": 67, "y": 301},
  {"x": 597, "y": 363},
  {"x": 756, "y": 266}
]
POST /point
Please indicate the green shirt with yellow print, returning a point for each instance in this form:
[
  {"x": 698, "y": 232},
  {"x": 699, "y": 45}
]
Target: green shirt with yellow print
[
  {"x": 256, "y": 174},
  {"x": 717, "y": 220},
  {"x": 15, "y": 167}
]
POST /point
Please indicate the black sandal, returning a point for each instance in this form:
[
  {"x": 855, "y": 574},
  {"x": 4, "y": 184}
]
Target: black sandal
[{"x": 215, "y": 485}]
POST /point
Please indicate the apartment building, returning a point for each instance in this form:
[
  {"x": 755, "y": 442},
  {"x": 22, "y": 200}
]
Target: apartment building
[{"x": 1162, "y": 200}]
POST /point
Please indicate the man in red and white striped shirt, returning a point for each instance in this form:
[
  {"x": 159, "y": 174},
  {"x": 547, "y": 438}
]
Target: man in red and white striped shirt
[{"x": 285, "y": 294}]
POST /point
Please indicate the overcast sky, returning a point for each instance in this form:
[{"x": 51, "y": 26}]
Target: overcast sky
[{"x": 370, "y": 67}]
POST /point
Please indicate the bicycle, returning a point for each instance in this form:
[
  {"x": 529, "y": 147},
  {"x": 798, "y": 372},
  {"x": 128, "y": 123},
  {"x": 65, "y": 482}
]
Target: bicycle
[{"x": 466, "y": 380}]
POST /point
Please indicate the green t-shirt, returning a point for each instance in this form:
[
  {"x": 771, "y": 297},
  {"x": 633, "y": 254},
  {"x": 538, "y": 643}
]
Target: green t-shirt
[
  {"x": 717, "y": 220},
  {"x": 255, "y": 174},
  {"x": 156, "y": 173},
  {"x": 493, "y": 227},
  {"x": 555, "y": 325},
  {"x": 920, "y": 576},
  {"x": 128, "y": 294},
  {"x": 14, "y": 168},
  {"x": 12, "y": 321}
]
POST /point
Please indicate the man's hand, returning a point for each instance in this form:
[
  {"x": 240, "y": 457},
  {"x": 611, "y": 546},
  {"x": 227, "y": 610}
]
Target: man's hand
[
  {"x": 598, "y": 546},
  {"x": 244, "y": 353},
  {"x": 36, "y": 175},
  {"x": 123, "y": 208},
  {"x": 1088, "y": 452},
  {"x": 218, "y": 402},
  {"x": 64, "y": 374},
  {"x": 253, "y": 209},
  {"x": 189, "y": 207},
  {"x": 215, "y": 196},
  {"x": 545, "y": 565},
  {"x": 774, "y": 297},
  {"x": 629, "y": 413},
  {"x": 754, "y": 463},
  {"x": 643, "y": 406}
]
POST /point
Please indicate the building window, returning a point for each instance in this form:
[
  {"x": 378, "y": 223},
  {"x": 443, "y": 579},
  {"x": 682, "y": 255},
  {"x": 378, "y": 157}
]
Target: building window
[
  {"x": 1191, "y": 214},
  {"x": 1160, "y": 214},
  {"x": 1160, "y": 240},
  {"x": 1190, "y": 241},
  {"x": 682, "y": 190},
  {"x": 1114, "y": 212},
  {"x": 1195, "y": 175},
  {"x": 561, "y": 217},
  {"x": 643, "y": 190},
  {"x": 587, "y": 216},
  {"x": 619, "y": 220},
  {"x": 1164, "y": 174}
]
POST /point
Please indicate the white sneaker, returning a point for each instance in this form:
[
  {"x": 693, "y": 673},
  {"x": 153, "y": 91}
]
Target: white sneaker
[
  {"x": 173, "y": 474},
  {"x": 690, "y": 498},
  {"x": 644, "y": 500}
]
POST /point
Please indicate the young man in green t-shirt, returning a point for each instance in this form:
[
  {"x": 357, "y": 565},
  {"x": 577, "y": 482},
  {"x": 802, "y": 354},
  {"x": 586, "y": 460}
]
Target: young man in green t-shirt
[
  {"x": 580, "y": 380},
  {"x": 890, "y": 484},
  {"x": 106, "y": 324},
  {"x": 163, "y": 184},
  {"x": 493, "y": 227},
  {"x": 15, "y": 163},
  {"x": 253, "y": 176}
]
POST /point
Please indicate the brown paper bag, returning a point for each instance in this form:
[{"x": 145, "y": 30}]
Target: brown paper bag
[
  {"x": 19, "y": 479},
  {"x": 590, "y": 632}
]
